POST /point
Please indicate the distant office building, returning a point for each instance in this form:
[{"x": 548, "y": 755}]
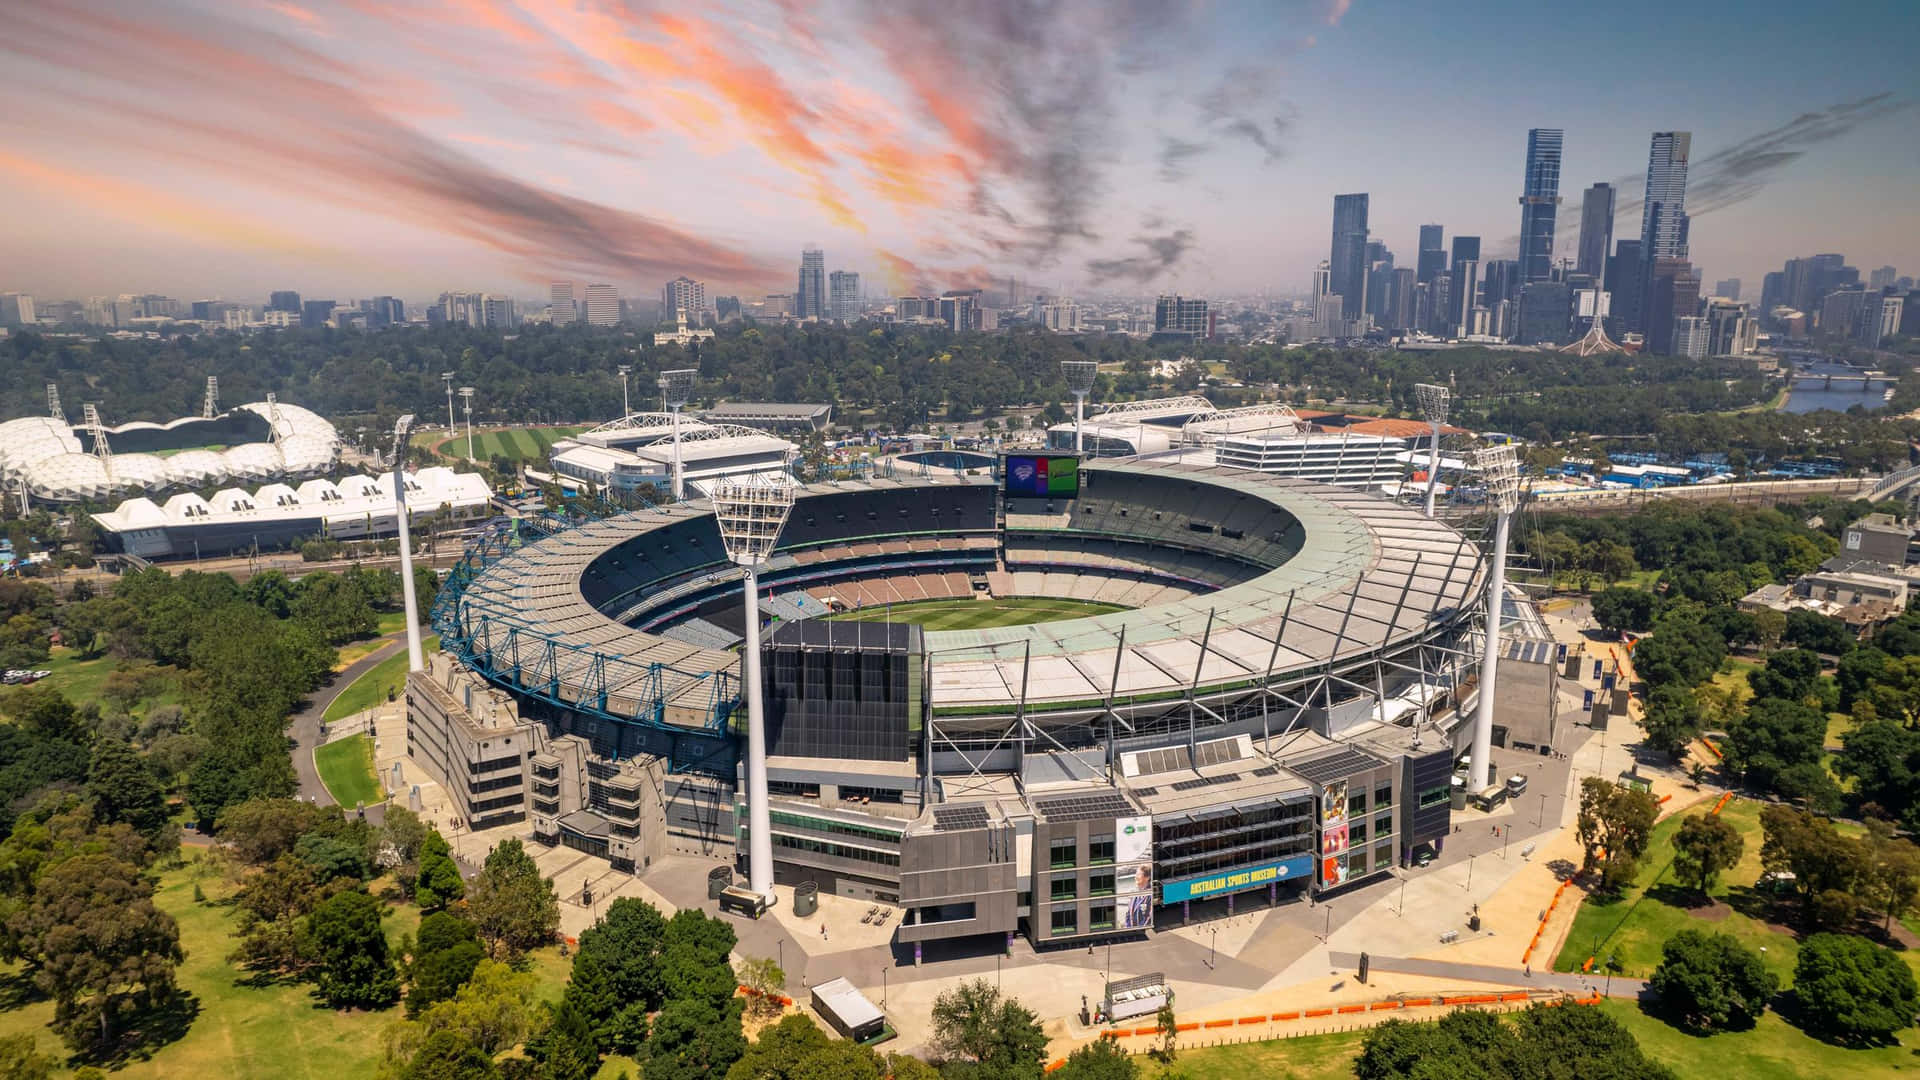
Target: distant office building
[
  {"x": 315, "y": 313},
  {"x": 1627, "y": 281},
  {"x": 284, "y": 300},
  {"x": 1540, "y": 203},
  {"x": 1673, "y": 292},
  {"x": 1840, "y": 312},
  {"x": 1439, "y": 311},
  {"x": 843, "y": 294},
  {"x": 1348, "y": 260},
  {"x": 690, "y": 296},
  {"x": 1433, "y": 253},
  {"x": 1691, "y": 337},
  {"x": 1464, "y": 247},
  {"x": 383, "y": 311},
  {"x": 776, "y": 306},
  {"x": 1596, "y": 230},
  {"x": 1663, "y": 216},
  {"x": 1466, "y": 293},
  {"x": 1727, "y": 288},
  {"x": 1182, "y": 315},
  {"x": 960, "y": 311},
  {"x": 1060, "y": 314},
  {"x": 561, "y": 310},
  {"x": 810, "y": 299},
  {"x": 1731, "y": 329},
  {"x": 1322, "y": 283},
  {"x": 16, "y": 309},
  {"x": 497, "y": 310},
  {"x": 1499, "y": 280},
  {"x": 724, "y": 307},
  {"x": 603, "y": 305},
  {"x": 1545, "y": 314},
  {"x": 1882, "y": 278},
  {"x": 1399, "y": 311},
  {"x": 1379, "y": 279},
  {"x": 1891, "y": 312}
]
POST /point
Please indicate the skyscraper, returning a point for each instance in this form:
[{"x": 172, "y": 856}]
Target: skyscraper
[
  {"x": 16, "y": 309},
  {"x": 562, "y": 312},
  {"x": 1627, "y": 281},
  {"x": 1596, "y": 231},
  {"x": 1348, "y": 261},
  {"x": 1673, "y": 293},
  {"x": 603, "y": 305},
  {"x": 1882, "y": 278},
  {"x": 843, "y": 293},
  {"x": 1398, "y": 312},
  {"x": 1466, "y": 289},
  {"x": 1546, "y": 311},
  {"x": 284, "y": 300},
  {"x": 1540, "y": 204},
  {"x": 1433, "y": 253},
  {"x": 1663, "y": 218},
  {"x": 810, "y": 300},
  {"x": 1465, "y": 247},
  {"x": 1727, "y": 288},
  {"x": 1186, "y": 315},
  {"x": 685, "y": 294}
]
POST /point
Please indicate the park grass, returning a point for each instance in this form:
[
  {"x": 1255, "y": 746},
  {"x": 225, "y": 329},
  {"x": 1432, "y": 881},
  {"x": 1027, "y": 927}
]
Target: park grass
[
  {"x": 244, "y": 1026},
  {"x": 346, "y": 767},
  {"x": 82, "y": 680},
  {"x": 1771, "y": 1050},
  {"x": 516, "y": 444},
  {"x": 1308, "y": 1057},
  {"x": 977, "y": 614},
  {"x": 386, "y": 680}
]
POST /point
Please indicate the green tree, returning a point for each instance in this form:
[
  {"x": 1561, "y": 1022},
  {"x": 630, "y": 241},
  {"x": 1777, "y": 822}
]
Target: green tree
[
  {"x": 1672, "y": 720},
  {"x": 447, "y": 1056},
  {"x": 21, "y": 1059},
  {"x": 566, "y": 1050},
  {"x": 1774, "y": 736},
  {"x": 511, "y": 904},
  {"x": 445, "y": 952},
  {"x": 972, "y": 1023},
  {"x": 1706, "y": 845},
  {"x": 1711, "y": 982},
  {"x": 497, "y": 1009},
  {"x": 693, "y": 1039},
  {"x": 1168, "y": 1024},
  {"x": 796, "y": 1049},
  {"x": 766, "y": 984},
  {"x": 355, "y": 970},
  {"x": 1680, "y": 650},
  {"x": 617, "y": 978},
  {"x": 1620, "y": 820},
  {"x": 97, "y": 945},
  {"x": 1620, "y": 608},
  {"x": 1790, "y": 675},
  {"x": 1853, "y": 991},
  {"x": 1097, "y": 1060},
  {"x": 439, "y": 882},
  {"x": 1881, "y": 758},
  {"x": 124, "y": 789}
]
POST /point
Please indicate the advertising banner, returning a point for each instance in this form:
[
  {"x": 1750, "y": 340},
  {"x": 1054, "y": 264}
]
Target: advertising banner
[
  {"x": 1333, "y": 840},
  {"x": 1033, "y": 476},
  {"x": 1133, "y": 839},
  {"x": 1230, "y": 881},
  {"x": 1133, "y": 879},
  {"x": 1136, "y": 912},
  {"x": 1333, "y": 870}
]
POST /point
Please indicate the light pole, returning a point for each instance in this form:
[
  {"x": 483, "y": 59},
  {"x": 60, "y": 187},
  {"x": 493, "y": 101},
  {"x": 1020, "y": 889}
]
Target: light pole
[
  {"x": 1213, "y": 943},
  {"x": 1542, "y": 816},
  {"x": 750, "y": 512},
  {"x": 883, "y": 985},
  {"x": 1328, "y": 935},
  {"x": 446, "y": 377},
  {"x": 1469, "y": 884},
  {"x": 1079, "y": 375},
  {"x": 466, "y": 399},
  {"x": 676, "y": 387},
  {"x": 415, "y": 660},
  {"x": 626, "y": 409},
  {"x": 1500, "y": 474},
  {"x": 1433, "y": 405}
]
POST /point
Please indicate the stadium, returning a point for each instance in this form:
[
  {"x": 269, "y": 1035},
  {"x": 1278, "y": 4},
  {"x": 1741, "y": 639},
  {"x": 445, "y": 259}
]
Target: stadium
[{"x": 1249, "y": 690}]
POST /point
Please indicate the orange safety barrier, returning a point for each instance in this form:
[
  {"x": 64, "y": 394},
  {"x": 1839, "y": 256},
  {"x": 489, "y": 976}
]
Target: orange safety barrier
[
  {"x": 1515, "y": 995},
  {"x": 1417, "y": 1003},
  {"x": 1379, "y": 1005},
  {"x": 1664, "y": 798},
  {"x": 1186, "y": 1027},
  {"x": 1154, "y": 1030},
  {"x": 1060, "y": 1063},
  {"x": 1218, "y": 1023},
  {"x": 1253, "y": 1019},
  {"x": 1319, "y": 1012},
  {"x": 1294, "y": 1015},
  {"x": 1353, "y": 1008},
  {"x": 1112, "y": 1033}
]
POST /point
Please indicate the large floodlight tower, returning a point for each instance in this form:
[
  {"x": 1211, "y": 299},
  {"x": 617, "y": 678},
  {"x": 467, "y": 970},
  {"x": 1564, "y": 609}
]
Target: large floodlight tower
[
  {"x": 1079, "y": 375},
  {"x": 1500, "y": 475},
  {"x": 626, "y": 408},
  {"x": 676, "y": 389},
  {"x": 415, "y": 661},
  {"x": 446, "y": 377},
  {"x": 750, "y": 513},
  {"x": 466, "y": 399},
  {"x": 1433, "y": 405}
]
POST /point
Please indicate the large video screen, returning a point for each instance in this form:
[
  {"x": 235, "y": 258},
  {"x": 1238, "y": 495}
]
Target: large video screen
[{"x": 1042, "y": 476}]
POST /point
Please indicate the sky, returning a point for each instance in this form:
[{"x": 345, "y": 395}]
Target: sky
[{"x": 408, "y": 147}]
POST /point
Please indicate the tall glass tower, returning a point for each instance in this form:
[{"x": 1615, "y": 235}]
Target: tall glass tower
[
  {"x": 1596, "y": 230},
  {"x": 1349, "y": 259},
  {"x": 1540, "y": 204},
  {"x": 1663, "y": 219},
  {"x": 811, "y": 299}
]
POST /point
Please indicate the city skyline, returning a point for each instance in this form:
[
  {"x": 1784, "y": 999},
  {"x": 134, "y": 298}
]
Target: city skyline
[{"x": 409, "y": 149}]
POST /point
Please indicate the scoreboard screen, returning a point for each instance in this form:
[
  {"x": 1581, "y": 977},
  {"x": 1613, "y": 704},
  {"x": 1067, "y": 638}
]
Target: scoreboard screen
[{"x": 1042, "y": 476}]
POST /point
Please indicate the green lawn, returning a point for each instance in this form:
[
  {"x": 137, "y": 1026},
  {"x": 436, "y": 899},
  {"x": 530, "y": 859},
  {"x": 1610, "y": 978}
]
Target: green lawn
[
  {"x": 1309, "y": 1057},
  {"x": 243, "y": 1028},
  {"x": 517, "y": 444},
  {"x": 346, "y": 767},
  {"x": 82, "y": 680},
  {"x": 975, "y": 614},
  {"x": 386, "y": 680},
  {"x": 1772, "y": 1050}
]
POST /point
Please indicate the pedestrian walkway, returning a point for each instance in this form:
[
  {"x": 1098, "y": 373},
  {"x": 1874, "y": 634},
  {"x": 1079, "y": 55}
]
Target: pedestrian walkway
[{"x": 1576, "y": 983}]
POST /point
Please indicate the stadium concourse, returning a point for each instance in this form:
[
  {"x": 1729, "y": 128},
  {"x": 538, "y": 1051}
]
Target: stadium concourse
[{"x": 1270, "y": 711}]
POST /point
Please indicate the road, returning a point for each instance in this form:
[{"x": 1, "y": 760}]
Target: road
[{"x": 304, "y": 728}]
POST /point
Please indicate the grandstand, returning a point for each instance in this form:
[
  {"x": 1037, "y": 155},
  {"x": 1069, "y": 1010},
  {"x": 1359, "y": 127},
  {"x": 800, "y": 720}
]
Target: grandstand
[{"x": 1289, "y": 639}]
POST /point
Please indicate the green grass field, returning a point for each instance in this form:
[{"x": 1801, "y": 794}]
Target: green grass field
[
  {"x": 517, "y": 444},
  {"x": 82, "y": 680},
  {"x": 977, "y": 614},
  {"x": 376, "y": 686},
  {"x": 346, "y": 767},
  {"x": 243, "y": 1027}
]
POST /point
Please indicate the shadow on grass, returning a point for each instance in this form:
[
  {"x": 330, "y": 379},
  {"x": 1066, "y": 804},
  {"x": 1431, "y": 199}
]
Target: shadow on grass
[
  {"x": 143, "y": 1033},
  {"x": 17, "y": 990},
  {"x": 1679, "y": 896},
  {"x": 1787, "y": 1004},
  {"x": 1650, "y": 1007}
]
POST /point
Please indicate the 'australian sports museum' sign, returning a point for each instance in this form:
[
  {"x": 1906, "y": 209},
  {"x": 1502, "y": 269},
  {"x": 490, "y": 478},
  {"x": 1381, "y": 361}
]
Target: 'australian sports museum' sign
[{"x": 1232, "y": 881}]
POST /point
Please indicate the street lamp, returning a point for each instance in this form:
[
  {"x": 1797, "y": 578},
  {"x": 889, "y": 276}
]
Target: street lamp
[
  {"x": 676, "y": 387},
  {"x": 626, "y": 409},
  {"x": 1500, "y": 475},
  {"x": 1213, "y": 942},
  {"x": 466, "y": 398},
  {"x": 446, "y": 377},
  {"x": 1079, "y": 375},
  {"x": 409, "y": 602},
  {"x": 750, "y": 512},
  {"x": 1433, "y": 405}
]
